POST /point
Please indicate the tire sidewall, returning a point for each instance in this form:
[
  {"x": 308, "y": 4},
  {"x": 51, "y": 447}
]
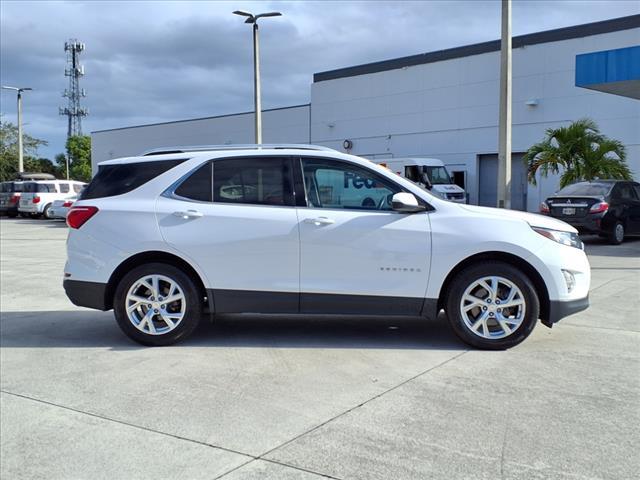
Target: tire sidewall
[
  {"x": 193, "y": 311},
  {"x": 612, "y": 237},
  {"x": 469, "y": 275}
]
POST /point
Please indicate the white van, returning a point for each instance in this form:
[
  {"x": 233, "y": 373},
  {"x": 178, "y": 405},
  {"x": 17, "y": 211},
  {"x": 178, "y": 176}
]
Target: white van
[
  {"x": 38, "y": 196},
  {"x": 429, "y": 173}
]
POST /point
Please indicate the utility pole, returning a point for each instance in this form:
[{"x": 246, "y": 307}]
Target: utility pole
[
  {"x": 504, "y": 127},
  {"x": 19, "y": 91},
  {"x": 253, "y": 19}
]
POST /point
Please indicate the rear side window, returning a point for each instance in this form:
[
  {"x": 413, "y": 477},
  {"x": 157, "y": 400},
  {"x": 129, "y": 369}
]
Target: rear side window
[
  {"x": 64, "y": 188},
  {"x": 29, "y": 187},
  {"x": 45, "y": 187},
  {"x": 636, "y": 187},
  {"x": 255, "y": 181},
  {"x": 199, "y": 185},
  {"x": 118, "y": 179}
]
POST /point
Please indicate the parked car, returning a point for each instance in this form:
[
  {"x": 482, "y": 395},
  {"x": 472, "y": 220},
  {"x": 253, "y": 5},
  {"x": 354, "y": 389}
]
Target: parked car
[
  {"x": 10, "y": 197},
  {"x": 610, "y": 208},
  {"x": 38, "y": 196},
  {"x": 164, "y": 238},
  {"x": 60, "y": 208}
]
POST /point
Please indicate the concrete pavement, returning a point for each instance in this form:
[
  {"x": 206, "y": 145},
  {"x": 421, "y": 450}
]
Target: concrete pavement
[{"x": 284, "y": 398}]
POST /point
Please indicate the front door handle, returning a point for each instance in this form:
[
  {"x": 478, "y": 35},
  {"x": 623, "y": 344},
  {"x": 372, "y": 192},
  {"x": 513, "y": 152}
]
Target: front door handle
[
  {"x": 188, "y": 214},
  {"x": 320, "y": 221}
]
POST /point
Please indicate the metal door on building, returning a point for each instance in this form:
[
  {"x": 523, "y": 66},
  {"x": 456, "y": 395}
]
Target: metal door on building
[{"x": 488, "y": 181}]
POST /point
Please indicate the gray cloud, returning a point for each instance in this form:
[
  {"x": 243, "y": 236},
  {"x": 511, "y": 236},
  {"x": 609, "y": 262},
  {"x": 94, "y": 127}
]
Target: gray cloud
[{"x": 159, "y": 61}]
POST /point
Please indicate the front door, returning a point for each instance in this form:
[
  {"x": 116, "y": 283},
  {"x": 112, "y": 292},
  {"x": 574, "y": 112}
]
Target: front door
[
  {"x": 357, "y": 255},
  {"x": 236, "y": 219}
]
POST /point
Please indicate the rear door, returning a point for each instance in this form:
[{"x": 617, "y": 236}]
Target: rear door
[
  {"x": 357, "y": 255},
  {"x": 630, "y": 196},
  {"x": 235, "y": 218}
]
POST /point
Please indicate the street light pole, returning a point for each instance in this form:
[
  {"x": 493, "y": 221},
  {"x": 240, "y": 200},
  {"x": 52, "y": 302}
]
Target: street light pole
[
  {"x": 20, "y": 149},
  {"x": 257, "y": 104},
  {"x": 253, "y": 20},
  {"x": 504, "y": 136}
]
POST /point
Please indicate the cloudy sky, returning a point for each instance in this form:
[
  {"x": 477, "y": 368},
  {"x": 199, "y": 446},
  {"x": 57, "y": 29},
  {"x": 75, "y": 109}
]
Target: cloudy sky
[{"x": 155, "y": 61}]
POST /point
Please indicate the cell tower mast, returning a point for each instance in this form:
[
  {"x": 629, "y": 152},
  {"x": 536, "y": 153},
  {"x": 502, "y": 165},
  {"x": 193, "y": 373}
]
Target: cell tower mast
[{"x": 74, "y": 93}]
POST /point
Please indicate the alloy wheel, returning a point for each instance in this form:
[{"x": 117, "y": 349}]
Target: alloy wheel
[
  {"x": 492, "y": 307},
  {"x": 155, "y": 304}
]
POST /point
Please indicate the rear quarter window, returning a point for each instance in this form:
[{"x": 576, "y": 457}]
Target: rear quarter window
[{"x": 117, "y": 179}]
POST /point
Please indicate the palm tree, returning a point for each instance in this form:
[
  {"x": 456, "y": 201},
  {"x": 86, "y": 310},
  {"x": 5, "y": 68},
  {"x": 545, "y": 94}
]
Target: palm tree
[{"x": 580, "y": 152}]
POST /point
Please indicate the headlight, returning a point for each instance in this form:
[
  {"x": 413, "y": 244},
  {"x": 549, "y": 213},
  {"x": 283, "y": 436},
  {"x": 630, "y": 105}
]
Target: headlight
[{"x": 565, "y": 238}]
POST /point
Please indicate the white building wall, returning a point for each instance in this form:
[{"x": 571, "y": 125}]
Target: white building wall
[
  {"x": 283, "y": 125},
  {"x": 449, "y": 109}
]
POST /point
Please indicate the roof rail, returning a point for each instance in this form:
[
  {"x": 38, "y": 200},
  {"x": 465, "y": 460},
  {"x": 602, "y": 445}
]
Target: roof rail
[{"x": 207, "y": 148}]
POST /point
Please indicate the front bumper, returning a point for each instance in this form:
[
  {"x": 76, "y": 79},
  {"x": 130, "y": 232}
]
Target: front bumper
[{"x": 559, "y": 309}]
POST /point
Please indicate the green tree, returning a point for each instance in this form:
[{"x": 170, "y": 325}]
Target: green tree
[
  {"x": 9, "y": 151},
  {"x": 79, "y": 152},
  {"x": 579, "y": 152}
]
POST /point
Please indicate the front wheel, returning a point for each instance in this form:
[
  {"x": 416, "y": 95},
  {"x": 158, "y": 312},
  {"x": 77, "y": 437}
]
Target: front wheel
[
  {"x": 492, "y": 305},
  {"x": 157, "y": 304}
]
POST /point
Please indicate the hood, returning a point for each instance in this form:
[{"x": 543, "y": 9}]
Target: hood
[{"x": 533, "y": 219}]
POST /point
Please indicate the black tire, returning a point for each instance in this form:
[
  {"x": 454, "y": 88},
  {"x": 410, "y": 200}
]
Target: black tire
[
  {"x": 468, "y": 277},
  {"x": 616, "y": 236},
  {"x": 184, "y": 328},
  {"x": 12, "y": 214},
  {"x": 24, "y": 215},
  {"x": 45, "y": 212}
]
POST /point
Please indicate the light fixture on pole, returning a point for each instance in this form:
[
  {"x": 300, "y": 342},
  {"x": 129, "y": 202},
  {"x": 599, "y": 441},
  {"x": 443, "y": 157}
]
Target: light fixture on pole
[
  {"x": 253, "y": 19},
  {"x": 19, "y": 90}
]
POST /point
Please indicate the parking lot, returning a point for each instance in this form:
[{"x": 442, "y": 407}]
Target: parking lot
[{"x": 284, "y": 398}]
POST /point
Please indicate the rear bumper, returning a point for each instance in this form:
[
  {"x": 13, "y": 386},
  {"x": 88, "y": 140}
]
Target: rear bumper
[
  {"x": 560, "y": 309},
  {"x": 589, "y": 224},
  {"x": 86, "y": 294}
]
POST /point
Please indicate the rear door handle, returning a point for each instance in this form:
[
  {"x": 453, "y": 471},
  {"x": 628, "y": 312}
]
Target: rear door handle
[
  {"x": 188, "y": 214},
  {"x": 320, "y": 221}
]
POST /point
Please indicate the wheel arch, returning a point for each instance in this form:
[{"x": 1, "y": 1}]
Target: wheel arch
[
  {"x": 151, "y": 257},
  {"x": 526, "y": 267}
]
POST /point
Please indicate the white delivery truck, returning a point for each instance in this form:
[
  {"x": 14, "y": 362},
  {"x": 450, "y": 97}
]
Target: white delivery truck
[{"x": 429, "y": 173}]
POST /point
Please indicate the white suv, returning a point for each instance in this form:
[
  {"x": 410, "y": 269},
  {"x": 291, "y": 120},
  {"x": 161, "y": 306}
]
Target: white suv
[
  {"x": 167, "y": 237},
  {"x": 38, "y": 196}
]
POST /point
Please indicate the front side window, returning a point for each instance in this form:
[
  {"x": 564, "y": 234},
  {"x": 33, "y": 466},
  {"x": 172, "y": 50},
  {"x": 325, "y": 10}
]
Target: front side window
[
  {"x": 256, "y": 181},
  {"x": 78, "y": 187},
  {"x": 335, "y": 184},
  {"x": 64, "y": 188},
  {"x": 46, "y": 187}
]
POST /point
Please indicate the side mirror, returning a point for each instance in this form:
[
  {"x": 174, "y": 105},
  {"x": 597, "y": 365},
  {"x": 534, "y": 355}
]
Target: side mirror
[{"x": 406, "y": 203}]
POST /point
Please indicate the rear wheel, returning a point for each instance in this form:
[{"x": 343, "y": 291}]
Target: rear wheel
[
  {"x": 157, "y": 304},
  {"x": 492, "y": 306},
  {"x": 616, "y": 236},
  {"x": 46, "y": 213}
]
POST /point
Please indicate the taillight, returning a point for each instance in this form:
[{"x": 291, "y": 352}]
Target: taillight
[
  {"x": 67, "y": 204},
  {"x": 544, "y": 208},
  {"x": 36, "y": 199},
  {"x": 599, "y": 207},
  {"x": 14, "y": 199},
  {"x": 78, "y": 216}
]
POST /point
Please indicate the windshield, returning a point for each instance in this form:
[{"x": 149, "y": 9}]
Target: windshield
[
  {"x": 586, "y": 188},
  {"x": 438, "y": 175}
]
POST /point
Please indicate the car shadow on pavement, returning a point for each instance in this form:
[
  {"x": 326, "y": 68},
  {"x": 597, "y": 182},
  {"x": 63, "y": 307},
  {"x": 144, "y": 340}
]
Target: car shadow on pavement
[{"x": 87, "y": 329}]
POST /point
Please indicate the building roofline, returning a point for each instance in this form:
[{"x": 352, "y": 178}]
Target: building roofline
[
  {"x": 201, "y": 118},
  {"x": 566, "y": 33}
]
